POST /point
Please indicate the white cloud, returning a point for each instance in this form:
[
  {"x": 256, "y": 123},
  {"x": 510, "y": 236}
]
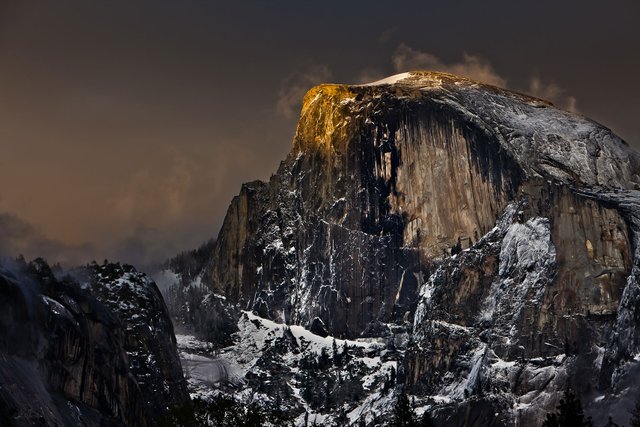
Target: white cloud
[
  {"x": 370, "y": 74},
  {"x": 551, "y": 92},
  {"x": 475, "y": 67},
  {"x": 295, "y": 85}
]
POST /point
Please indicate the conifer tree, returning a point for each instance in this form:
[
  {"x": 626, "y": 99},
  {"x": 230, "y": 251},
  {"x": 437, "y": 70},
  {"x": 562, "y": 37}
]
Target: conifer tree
[
  {"x": 427, "y": 421},
  {"x": 635, "y": 415},
  {"x": 403, "y": 415},
  {"x": 336, "y": 355},
  {"x": 323, "y": 359},
  {"x": 569, "y": 413},
  {"x": 610, "y": 423}
]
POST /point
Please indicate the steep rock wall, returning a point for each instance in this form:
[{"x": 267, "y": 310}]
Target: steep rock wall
[
  {"x": 500, "y": 232},
  {"x": 70, "y": 356},
  {"x": 534, "y": 296},
  {"x": 401, "y": 179}
]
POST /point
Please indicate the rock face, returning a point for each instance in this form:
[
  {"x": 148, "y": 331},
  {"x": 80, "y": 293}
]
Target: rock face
[
  {"x": 96, "y": 349},
  {"x": 499, "y": 231}
]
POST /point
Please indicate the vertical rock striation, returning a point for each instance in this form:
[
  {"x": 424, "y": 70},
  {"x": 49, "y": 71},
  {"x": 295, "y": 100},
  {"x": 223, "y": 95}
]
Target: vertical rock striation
[
  {"x": 498, "y": 229},
  {"x": 95, "y": 350}
]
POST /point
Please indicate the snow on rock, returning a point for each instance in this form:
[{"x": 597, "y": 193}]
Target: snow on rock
[
  {"x": 390, "y": 80},
  {"x": 316, "y": 378},
  {"x": 487, "y": 238},
  {"x": 137, "y": 303},
  {"x": 94, "y": 346},
  {"x": 527, "y": 260},
  {"x": 259, "y": 329},
  {"x": 526, "y": 245}
]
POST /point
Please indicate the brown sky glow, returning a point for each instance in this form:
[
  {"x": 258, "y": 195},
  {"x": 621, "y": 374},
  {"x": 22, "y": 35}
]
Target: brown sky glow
[{"x": 127, "y": 126}]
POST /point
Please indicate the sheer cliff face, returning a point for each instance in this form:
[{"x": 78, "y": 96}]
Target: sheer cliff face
[
  {"x": 384, "y": 179},
  {"x": 411, "y": 160},
  {"x": 497, "y": 232},
  {"x": 100, "y": 351}
]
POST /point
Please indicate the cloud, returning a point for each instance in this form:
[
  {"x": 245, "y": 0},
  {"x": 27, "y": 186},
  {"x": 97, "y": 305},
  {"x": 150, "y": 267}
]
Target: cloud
[
  {"x": 146, "y": 215},
  {"x": 387, "y": 35},
  {"x": 372, "y": 74},
  {"x": 166, "y": 205},
  {"x": 295, "y": 85},
  {"x": 476, "y": 67},
  {"x": 145, "y": 248},
  {"x": 369, "y": 74},
  {"x": 158, "y": 192},
  {"x": 551, "y": 92},
  {"x": 21, "y": 237}
]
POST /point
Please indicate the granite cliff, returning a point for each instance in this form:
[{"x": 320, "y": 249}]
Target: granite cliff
[
  {"x": 485, "y": 240},
  {"x": 90, "y": 348}
]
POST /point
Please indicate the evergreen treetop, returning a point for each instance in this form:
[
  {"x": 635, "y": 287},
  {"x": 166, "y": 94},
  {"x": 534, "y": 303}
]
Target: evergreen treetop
[{"x": 569, "y": 413}]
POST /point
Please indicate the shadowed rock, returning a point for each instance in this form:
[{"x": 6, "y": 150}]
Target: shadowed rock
[{"x": 97, "y": 349}]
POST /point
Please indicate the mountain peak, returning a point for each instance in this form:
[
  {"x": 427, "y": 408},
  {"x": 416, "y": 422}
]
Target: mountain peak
[
  {"x": 478, "y": 235},
  {"x": 544, "y": 140}
]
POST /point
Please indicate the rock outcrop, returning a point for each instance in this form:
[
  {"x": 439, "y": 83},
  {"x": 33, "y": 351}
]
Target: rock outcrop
[
  {"x": 95, "y": 349},
  {"x": 500, "y": 232}
]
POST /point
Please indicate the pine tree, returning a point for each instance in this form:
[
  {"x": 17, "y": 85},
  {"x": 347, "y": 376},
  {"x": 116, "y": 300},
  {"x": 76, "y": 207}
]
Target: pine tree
[
  {"x": 337, "y": 357},
  {"x": 610, "y": 423},
  {"x": 403, "y": 415},
  {"x": 328, "y": 395},
  {"x": 551, "y": 421},
  {"x": 569, "y": 413},
  {"x": 346, "y": 357},
  {"x": 323, "y": 359},
  {"x": 390, "y": 380},
  {"x": 342, "y": 419},
  {"x": 427, "y": 421},
  {"x": 635, "y": 415}
]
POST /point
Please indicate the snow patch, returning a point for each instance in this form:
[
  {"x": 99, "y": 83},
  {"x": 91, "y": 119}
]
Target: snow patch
[
  {"x": 527, "y": 260},
  {"x": 390, "y": 80}
]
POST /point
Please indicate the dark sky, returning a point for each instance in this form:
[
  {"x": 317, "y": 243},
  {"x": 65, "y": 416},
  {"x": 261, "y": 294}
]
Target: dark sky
[{"x": 127, "y": 126}]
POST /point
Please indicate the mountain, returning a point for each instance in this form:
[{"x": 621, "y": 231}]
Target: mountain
[
  {"x": 94, "y": 347},
  {"x": 472, "y": 247}
]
